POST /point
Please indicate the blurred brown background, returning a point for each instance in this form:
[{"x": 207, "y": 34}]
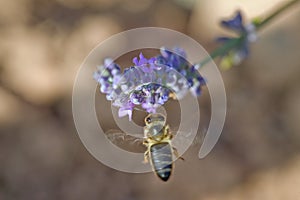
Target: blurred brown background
[{"x": 43, "y": 43}]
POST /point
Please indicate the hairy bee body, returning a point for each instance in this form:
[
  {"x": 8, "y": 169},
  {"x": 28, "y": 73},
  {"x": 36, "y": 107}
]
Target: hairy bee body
[
  {"x": 159, "y": 148},
  {"x": 157, "y": 140}
]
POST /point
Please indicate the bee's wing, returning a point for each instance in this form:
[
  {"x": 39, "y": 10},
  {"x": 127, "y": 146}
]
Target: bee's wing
[
  {"x": 132, "y": 142},
  {"x": 185, "y": 137}
]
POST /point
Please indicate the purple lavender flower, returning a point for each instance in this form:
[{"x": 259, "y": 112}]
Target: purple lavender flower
[
  {"x": 236, "y": 23},
  {"x": 150, "y": 82},
  {"x": 107, "y": 75},
  {"x": 246, "y": 34},
  {"x": 177, "y": 59},
  {"x": 126, "y": 109}
]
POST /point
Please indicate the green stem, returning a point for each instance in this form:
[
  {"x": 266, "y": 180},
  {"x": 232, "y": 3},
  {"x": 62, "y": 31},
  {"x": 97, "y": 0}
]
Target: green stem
[
  {"x": 234, "y": 43},
  {"x": 260, "y": 24},
  {"x": 221, "y": 50}
]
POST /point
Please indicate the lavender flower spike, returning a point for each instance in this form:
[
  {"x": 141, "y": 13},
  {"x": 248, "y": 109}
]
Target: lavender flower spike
[
  {"x": 247, "y": 34},
  {"x": 149, "y": 82}
]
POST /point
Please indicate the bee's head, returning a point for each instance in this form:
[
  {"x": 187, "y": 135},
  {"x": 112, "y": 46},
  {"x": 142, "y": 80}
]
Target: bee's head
[{"x": 155, "y": 118}]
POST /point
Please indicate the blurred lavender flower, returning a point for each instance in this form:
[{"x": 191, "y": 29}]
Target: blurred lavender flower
[
  {"x": 150, "y": 82},
  {"x": 177, "y": 59},
  {"x": 247, "y": 34},
  {"x": 107, "y": 75}
]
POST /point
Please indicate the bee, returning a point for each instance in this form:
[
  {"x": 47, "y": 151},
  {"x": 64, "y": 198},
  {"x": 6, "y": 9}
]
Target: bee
[
  {"x": 157, "y": 139},
  {"x": 156, "y": 144}
]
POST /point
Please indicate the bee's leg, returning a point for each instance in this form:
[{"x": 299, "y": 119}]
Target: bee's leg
[
  {"x": 167, "y": 132},
  {"x": 177, "y": 154},
  {"x": 146, "y": 155},
  {"x": 145, "y": 142}
]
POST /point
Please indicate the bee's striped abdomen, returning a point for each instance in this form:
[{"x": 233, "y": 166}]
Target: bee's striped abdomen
[{"x": 161, "y": 159}]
